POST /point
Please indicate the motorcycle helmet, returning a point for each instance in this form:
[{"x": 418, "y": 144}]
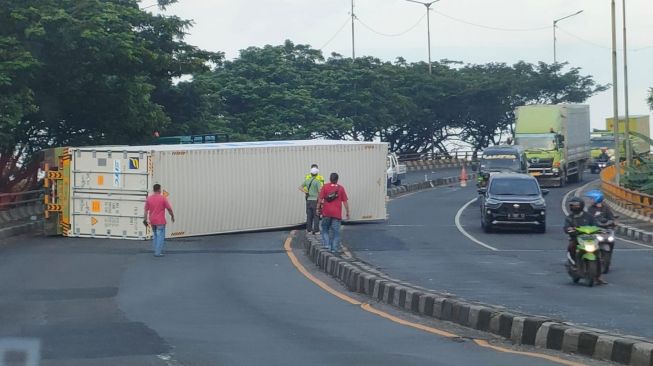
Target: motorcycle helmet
[
  {"x": 576, "y": 205},
  {"x": 595, "y": 195}
]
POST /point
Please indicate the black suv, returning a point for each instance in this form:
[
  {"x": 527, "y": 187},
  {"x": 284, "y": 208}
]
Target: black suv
[{"x": 513, "y": 200}]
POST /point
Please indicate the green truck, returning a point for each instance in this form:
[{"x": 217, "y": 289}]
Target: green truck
[{"x": 556, "y": 139}]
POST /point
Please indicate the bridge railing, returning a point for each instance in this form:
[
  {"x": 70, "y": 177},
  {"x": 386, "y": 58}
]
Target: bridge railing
[
  {"x": 636, "y": 201},
  {"x": 20, "y": 205},
  {"x": 454, "y": 155}
]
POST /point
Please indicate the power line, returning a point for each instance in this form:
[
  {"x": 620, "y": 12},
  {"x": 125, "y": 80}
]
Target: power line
[
  {"x": 391, "y": 34},
  {"x": 335, "y": 34},
  {"x": 491, "y": 27}
]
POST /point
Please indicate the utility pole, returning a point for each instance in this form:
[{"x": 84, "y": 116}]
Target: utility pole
[
  {"x": 615, "y": 95},
  {"x": 428, "y": 27},
  {"x": 629, "y": 153},
  {"x": 555, "y": 25},
  {"x": 353, "y": 43}
]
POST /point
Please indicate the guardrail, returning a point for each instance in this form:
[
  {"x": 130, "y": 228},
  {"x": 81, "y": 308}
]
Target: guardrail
[
  {"x": 20, "y": 205},
  {"x": 636, "y": 201},
  {"x": 454, "y": 155}
]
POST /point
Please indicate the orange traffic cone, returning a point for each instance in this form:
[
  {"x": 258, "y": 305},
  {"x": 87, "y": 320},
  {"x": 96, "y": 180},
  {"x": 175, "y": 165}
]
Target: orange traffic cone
[{"x": 463, "y": 177}]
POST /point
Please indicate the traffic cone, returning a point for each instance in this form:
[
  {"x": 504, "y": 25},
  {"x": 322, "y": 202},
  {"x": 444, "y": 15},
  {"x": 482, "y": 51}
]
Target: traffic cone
[{"x": 463, "y": 177}]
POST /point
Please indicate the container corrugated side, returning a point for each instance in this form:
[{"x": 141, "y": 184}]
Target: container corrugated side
[{"x": 229, "y": 190}]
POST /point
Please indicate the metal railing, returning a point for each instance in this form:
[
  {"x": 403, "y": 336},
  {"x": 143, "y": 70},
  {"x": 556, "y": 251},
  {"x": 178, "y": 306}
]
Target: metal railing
[
  {"x": 637, "y": 200},
  {"x": 454, "y": 155}
]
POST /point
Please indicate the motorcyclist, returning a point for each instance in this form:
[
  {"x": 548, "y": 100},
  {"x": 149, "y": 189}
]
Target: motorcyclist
[
  {"x": 601, "y": 213},
  {"x": 604, "y": 155},
  {"x": 577, "y": 217}
]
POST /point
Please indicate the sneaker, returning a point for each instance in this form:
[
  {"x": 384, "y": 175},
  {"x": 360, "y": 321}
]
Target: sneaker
[{"x": 601, "y": 281}]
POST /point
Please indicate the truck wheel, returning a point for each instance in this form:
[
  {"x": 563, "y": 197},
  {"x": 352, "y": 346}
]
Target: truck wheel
[{"x": 563, "y": 178}]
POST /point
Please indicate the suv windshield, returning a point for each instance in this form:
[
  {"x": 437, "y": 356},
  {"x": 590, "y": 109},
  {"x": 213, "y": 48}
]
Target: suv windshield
[
  {"x": 599, "y": 143},
  {"x": 541, "y": 142},
  {"x": 514, "y": 187},
  {"x": 500, "y": 162}
]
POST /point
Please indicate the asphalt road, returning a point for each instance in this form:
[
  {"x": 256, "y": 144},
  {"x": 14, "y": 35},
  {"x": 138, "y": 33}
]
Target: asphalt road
[
  {"x": 423, "y": 175},
  {"x": 222, "y": 300},
  {"x": 421, "y": 244}
]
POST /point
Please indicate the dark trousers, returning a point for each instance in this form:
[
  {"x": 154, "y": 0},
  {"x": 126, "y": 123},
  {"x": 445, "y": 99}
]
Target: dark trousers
[{"x": 312, "y": 220}]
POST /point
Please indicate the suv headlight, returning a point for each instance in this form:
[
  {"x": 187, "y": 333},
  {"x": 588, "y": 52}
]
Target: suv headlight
[
  {"x": 539, "y": 204},
  {"x": 492, "y": 203}
]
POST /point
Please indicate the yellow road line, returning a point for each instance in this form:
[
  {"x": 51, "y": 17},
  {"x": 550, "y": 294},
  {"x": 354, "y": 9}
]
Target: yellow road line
[
  {"x": 484, "y": 343},
  {"x": 442, "y": 333},
  {"x": 306, "y": 274},
  {"x": 368, "y": 307}
]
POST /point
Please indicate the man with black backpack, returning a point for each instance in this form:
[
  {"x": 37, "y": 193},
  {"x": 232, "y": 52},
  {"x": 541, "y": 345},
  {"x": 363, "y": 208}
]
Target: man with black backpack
[
  {"x": 332, "y": 197},
  {"x": 311, "y": 188}
]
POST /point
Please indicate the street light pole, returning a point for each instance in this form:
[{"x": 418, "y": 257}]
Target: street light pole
[
  {"x": 615, "y": 95},
  {"x": 629, "y": 153},
  {"x": 353, "y": 45},
  {"x": 428, "y": 27},
  {"x": 555, "y": 25}
]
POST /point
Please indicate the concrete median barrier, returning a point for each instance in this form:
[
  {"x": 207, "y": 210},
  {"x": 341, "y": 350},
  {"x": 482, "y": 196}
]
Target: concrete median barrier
[{"x": 520, "y": 328}]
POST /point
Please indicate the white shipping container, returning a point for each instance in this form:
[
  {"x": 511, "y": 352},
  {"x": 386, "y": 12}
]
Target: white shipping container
[{"x": 219, "y": 188}]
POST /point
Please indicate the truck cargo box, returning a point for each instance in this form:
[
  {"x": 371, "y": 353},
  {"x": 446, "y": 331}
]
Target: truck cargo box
[{"x": 217, "y": 188}]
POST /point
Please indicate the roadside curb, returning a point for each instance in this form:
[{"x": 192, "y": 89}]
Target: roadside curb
[
  {"x": 630, "y": 231},
  {"x": 417, "y": 165},
  {"x": 414, "y": 187},
  {"x": 542, "y": 332}
]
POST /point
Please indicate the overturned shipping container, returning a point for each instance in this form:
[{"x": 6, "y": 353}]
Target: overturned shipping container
[{"x": 214, "y": 188}]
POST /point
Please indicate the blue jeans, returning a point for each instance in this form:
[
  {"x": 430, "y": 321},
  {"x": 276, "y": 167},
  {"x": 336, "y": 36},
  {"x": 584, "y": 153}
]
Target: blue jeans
[
  {"x": 158, "y": 238},
  {"x": 330, "y": 230}
]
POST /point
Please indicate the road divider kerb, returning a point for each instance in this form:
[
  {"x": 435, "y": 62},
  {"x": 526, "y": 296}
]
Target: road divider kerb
[
  {"x": 523, "y": 329},
  {"x": 419, "y": 186}
]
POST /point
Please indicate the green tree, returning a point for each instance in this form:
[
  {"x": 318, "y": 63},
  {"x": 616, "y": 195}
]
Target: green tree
[
  {"x": 650, "y": 98},
  {"x": 88, "y": 72}
]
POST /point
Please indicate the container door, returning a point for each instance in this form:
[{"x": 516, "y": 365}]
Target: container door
[
  {"x": 108, "y": 192},
  {"x": 108, "y": 216},
  {"x": 110, "y": 171}
]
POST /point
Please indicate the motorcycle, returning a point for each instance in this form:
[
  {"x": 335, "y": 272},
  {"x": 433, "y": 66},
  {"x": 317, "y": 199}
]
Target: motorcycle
[
  {"x": 606, "y": 246},
  {"x": 586, "y": 264}
]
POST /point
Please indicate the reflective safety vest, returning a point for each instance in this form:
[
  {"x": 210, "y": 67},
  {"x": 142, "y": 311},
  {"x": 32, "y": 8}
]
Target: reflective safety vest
[{"x": 318, "y": 178}]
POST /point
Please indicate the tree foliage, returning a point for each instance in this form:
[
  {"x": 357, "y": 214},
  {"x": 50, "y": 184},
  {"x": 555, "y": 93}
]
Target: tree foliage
[
  {"x": 79, "y": 72},
  {"x": 291, "y": 91}
]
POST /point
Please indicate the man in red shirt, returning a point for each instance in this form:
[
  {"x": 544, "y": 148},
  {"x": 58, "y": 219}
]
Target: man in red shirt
[
  {"x": 156, "y": 205},
  {"x": 331, "y": 199}
]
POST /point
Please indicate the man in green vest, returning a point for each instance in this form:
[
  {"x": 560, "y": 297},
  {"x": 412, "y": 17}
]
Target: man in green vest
[
  {"x": 318, "y": 177},
  {"x": 311, "y": 186}
]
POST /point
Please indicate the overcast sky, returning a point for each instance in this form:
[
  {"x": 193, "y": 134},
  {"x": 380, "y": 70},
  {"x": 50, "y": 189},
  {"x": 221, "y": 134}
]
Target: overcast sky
[{"x": 460, "y": 30}]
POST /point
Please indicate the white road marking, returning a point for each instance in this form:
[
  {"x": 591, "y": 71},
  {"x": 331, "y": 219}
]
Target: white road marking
[{"x": 464, "y": 232}]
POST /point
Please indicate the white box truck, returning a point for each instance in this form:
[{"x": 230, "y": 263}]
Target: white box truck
[{"x": 214, "y": 188}]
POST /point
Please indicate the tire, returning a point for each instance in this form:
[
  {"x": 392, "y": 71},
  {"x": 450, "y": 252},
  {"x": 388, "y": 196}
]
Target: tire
[
  {"x": 592, "y": 272},
  {"x": 576, "y": 279},
  {"x": 562, "y": 182},
  {"x": 607, "y": 258},
  {"x": 487, "y": 227},
  {"x": 540, "y": 228}
]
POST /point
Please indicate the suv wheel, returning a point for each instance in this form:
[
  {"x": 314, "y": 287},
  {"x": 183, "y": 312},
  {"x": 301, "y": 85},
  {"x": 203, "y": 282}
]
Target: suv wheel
[
  {"x": 487, "y": 227},
  {"x": 541, "y": 228}
]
